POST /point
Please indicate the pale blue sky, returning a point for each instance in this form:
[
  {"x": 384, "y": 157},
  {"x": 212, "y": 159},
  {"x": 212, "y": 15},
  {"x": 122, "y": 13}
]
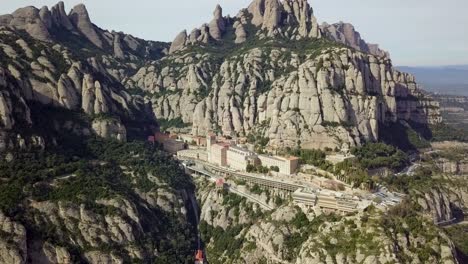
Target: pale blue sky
[{"x": 416, "y": 32}]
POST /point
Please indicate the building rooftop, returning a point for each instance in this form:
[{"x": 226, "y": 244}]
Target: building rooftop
[
  {"x": 172, "y": 142},
  {"x": 278, "y": 158},
  {"x": 220, "y": 145},
  {"x": 305, "y": 190},
  {"x": 242, "y": 150}
]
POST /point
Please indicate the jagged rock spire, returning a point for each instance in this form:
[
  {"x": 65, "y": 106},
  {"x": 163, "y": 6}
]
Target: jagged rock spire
[
  {"x": 179, "y": 42},
  {"x": 46, "y": 17},
  {"x": 272, "y": 16},
  {"x": 293, "y": 19},
  {"x": 241, "y": 34},
  {"x": 80, "y": 19},
  {"x": 257, "y": 9},
  {"x": 38, "y": 23},
  {"x": 59, "y": 16},
  {"x": 300, "y": 11},
  {"x": 217, "y": 25},
  {"x": 28, "y": 19},
  {"x": 346, "y": 34}
]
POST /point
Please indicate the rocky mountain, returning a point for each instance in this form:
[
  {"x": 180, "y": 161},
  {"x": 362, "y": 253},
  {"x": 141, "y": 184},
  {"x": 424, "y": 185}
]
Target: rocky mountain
[
  {"x": 236, "y": 231},
  {"x": 54, "y": 25},
  {"x": 71, "y": 94},
  {"x": 272, "y": 65},
  {"x": 66, "y": 196},
  {"x": 65, "y": 61},
  {"x": 94, "y": 201},
  {"x": 346, "y": 34}
]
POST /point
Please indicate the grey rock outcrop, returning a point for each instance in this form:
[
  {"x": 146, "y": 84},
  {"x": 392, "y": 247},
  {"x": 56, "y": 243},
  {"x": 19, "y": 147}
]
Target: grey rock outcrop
[
  {"x": 6, "y": 113},
  {"x": 118, "y": 51},
  {"x": 346, "y": 34},
  {"x": 336, "y": 98},
  {"x": 257, "y": 9},
  {"x": 97, "y": 257},
  {"x": 87, "y": 86},
  {"x": 110, "y": 128},
  {"x": 13, "y": 110},
  {"x": 46, "y": 17},
  {"x": 14, "y": 249},
  {"x": 437, "y": 203},
  {"x": 241, "y": 35},
  {"x": 54, "y": 25},
  {"x": 179, "y": 42},
  {"x": 292, "y": 19},
  {"x": 272, "y": 16},
  {"x": 94, "y": 100},
  {"x": 59, "y": 16},
  {"x": 28, "y": 19},
  {"x": 194, "y": 35},
  {"x": 217, "y": 25},
  {"x": 453, "y": 167},
  {"x": 80, "y": 18},
  {"x": 85, "y": 228}
]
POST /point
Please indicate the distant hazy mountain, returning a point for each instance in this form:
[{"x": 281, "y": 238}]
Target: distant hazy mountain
[{"x": 451, "y": 79}]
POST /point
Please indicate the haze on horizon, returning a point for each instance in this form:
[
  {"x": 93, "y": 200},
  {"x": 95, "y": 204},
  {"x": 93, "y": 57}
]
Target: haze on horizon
[{"x": 416, "y": 32}]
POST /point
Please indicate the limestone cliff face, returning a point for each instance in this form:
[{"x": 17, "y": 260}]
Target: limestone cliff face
[
  {"x": 336, "y": 97},
  {"x": 277, "y": 68},
  {"x": 346, "y": 34},
  {"x": 290, "y": 19},
  {"x": 444, "y": 202},
  {"x": 55, "y": 77},
  {"x": 270, "y": 65},
  {"x": 13, "y": 111},
  {"x": 112, "y": 230},
  {"x": 80, "y": 19},
  {"x": 11, "y": 250},
  {"x": 110, "y": 128},
  {"x": 65, "y": 61},
  {"x": 453, "y": 167},
  {"x": 55, "y": 25},
  {"x": 437, "y": 203},
  {"x": 30, "y": 20}
]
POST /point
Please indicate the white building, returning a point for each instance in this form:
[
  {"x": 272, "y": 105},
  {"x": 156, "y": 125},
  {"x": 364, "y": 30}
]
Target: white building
[
  {"x": 228, "y": 154},
  {"x": 305, "y": 196},
  {"x": 286, "y": 165},
  {"x": 218, "y": 154},
  {"x": 239, "y": 158},
  {"x": 335, "y": 201}
]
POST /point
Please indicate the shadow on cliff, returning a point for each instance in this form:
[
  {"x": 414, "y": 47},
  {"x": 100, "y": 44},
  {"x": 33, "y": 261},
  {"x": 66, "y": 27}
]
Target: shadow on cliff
[
  {"x": 412, "y": 130},
  {"x": 407, "y": 136}
]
